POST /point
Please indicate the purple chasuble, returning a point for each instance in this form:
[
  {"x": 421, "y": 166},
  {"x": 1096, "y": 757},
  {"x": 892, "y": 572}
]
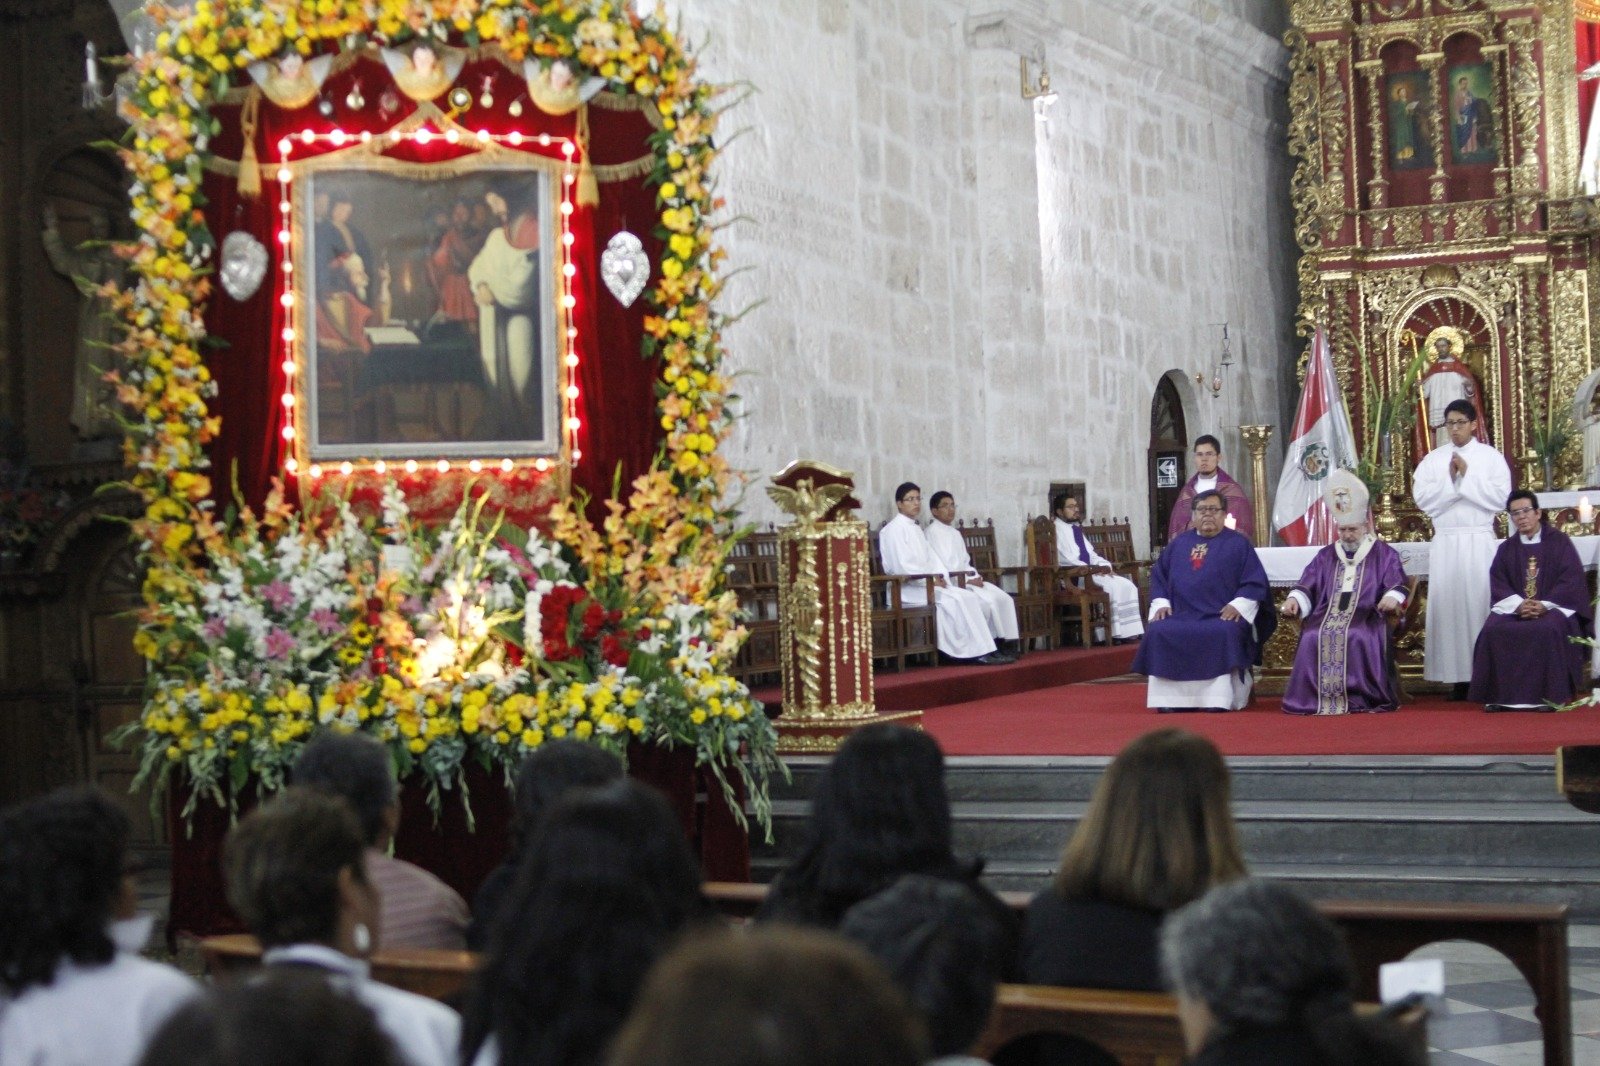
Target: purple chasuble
[
  {"x": 1342, "y": 662},
  {"x": 1232, "y": 494},
  {"x": 1531, "y": 660},
  {"x": 1198, "y": 576}
]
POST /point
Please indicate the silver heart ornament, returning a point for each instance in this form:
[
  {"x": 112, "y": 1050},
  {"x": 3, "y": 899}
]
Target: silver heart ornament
[
  {"x": 624, "y": 267},
  {"x": 244, "y": 264}
]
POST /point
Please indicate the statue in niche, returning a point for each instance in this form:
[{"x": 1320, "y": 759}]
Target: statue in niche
[
  {"x": 93, "y": 398},
  {"x": 1446, "y": 380}
]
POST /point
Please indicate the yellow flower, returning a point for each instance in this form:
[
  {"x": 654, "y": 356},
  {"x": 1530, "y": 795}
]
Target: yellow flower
[
  {"x": 697, "y": 716},
  {"x": 418, "y": 746}
]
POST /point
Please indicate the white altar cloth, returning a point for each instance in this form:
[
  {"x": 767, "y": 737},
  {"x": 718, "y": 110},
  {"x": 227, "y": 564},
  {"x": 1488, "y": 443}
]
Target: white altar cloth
[{"x": 1285, "y": 565}]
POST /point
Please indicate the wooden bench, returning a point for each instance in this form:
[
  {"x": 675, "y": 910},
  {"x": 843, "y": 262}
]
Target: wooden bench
[
  {"x": 1533, "y": 936},
  {"x": 1029, "y": 587},
  {"x": 1113, "y": 539},
  {"x": 753, "y": 576},
  {"x": 900, "y": 630},
  {"x": 440, "y": 975},
  {"x": 1137, "y": 1028}
]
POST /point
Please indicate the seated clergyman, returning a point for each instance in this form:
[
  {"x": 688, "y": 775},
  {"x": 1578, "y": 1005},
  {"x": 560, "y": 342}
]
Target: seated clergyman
[
  {"x": 999, "y": 610},
  {"x": 1074, "y": 549},
  {"x": 1206, "y": 623},
  {"x": 962, "y": 631},
  {"x": 1524, "y": 658},
  {"x": 1342, "y": 663}
]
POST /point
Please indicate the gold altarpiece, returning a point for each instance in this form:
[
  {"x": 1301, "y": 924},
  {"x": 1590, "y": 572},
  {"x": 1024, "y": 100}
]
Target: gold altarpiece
[{"x": 1435, "y": 188}]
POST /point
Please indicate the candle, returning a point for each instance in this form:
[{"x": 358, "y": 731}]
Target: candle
[
  {"x": 91, "y": 71},
  {"x": 1585, "y": 510},
  {"x": 1231, "y": 522}
]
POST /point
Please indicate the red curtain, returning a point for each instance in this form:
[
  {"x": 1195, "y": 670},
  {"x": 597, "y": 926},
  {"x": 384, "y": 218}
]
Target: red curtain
[
  {"x": 1588, "y": 39},
  {"x": 616, "y": 401}
]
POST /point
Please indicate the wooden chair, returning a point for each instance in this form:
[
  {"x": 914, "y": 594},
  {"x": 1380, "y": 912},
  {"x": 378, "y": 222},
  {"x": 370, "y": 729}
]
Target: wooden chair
[
  {"x": 440, "y": 975},
  {"x": 1076, "y": 599},
  {"x": 900, "y": 630},
  {"x": 753, "y": 577},
  {"x": 1113, "y": 539},
  {"x": 1028, "y": 586}
]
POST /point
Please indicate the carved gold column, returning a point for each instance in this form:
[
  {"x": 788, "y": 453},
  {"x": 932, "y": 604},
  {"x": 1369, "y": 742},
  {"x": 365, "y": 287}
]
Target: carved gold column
[
  {"x": 1255, "y": 438},
  {"x": 1377, "y": 187},
  {"x": 824, "y": 612},
  {"x": 1431, "y": 62}
]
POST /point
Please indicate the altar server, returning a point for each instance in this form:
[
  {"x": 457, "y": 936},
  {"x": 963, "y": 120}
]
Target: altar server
[
  {"x": 1525, "y": 659},
  {"x": 1208, "y": 477},
  {"x": 1074, "y": 549},
  {"x": 1206, "y": 623},
  {"x": 999, "y": 610},
  {"x": 1342, "y": 663},
  {"x": 963, "y": 632},
  {"x": 1460, "y": 486}
]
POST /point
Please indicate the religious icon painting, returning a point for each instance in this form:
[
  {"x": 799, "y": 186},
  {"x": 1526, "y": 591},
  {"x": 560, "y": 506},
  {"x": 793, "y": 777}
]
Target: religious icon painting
[
  {"x": 1410, "y": 120},
  {"x": 1472, "y": 138},
  {"x": 429, "y": 312}
]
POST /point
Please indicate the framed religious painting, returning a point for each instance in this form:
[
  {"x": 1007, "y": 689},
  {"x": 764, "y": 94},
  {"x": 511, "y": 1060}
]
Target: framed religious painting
[
  {"x": 429, "y": 310},
  {"x": 1472, "y": 134},
  {"x": 1410, "y": 108}
]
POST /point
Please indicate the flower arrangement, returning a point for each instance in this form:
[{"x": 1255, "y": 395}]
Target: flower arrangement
[{"x": 471, "y": 641}]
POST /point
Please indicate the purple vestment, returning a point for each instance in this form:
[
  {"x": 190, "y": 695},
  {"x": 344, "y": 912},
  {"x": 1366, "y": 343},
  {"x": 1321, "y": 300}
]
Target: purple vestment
[
  {"x": 1342, "y": 663},
  {"x": 1232, "y": 494},
  {"x": 1198, "y": 576},
  {"x": 1531, "y": 660}
]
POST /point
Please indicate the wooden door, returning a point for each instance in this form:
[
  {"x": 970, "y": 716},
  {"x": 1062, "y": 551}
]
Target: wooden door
[{"x": 1167, "y": 457}]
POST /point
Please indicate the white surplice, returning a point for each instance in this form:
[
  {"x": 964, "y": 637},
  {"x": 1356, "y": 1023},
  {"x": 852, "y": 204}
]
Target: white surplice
[
  {"x": 1124, "y": 593},
  {"x": 998, "y": 608},
  {"x": 963, "y": 631},
  {"x": 1463, "y": 548}
]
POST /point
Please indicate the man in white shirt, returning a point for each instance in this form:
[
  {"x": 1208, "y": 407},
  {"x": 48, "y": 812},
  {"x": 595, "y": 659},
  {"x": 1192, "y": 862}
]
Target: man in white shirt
[
  {"x": 1074, "y": 549},
  {"x": 1461, "y": 485},
  {"x": 999, "y": 610},
  {"x": 963, "y": 633}
]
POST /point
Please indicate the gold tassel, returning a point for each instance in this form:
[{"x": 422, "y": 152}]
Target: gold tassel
[
  {"x": 588, "y": 184},
  {"x": 249, "y": 169}
]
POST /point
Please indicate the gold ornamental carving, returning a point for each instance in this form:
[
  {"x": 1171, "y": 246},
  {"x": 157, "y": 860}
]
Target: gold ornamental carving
[
  {"x": 1305, "y": 145},
  {"x": 1471, "y": 222},
  {"x": 1255, "y": 439},
  {"x": 1569, "y": 328},
  {"x": 1334, "y": 116}
]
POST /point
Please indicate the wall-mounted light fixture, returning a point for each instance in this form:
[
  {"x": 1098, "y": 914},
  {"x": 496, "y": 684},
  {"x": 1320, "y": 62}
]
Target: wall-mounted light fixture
[
  {"x": 1037, "y": 91},
  {"x": 1212, "y": 383}
]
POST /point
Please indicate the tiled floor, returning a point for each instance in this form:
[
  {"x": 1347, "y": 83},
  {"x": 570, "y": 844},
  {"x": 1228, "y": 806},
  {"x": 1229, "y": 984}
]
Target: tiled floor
[{"x": 1488, "y": 1008}]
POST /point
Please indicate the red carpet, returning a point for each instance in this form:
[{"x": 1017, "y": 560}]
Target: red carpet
[
  {"x": 920, "y": 688},
  {"x": 1099, "y": 719}
]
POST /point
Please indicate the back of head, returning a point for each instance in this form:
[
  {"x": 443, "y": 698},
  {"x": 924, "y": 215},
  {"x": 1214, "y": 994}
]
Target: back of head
[
  {"x": 355, "y": 766},
  {"x": 942, "y": 947},
  {"x": 1159, "y": 831},
  {"x": 283, "y": 862},
  {"x": 552, "y": 771},
  {"x": 61, "y": 867},
  {"x": 285, "y": 1016},
  {"x": 606, "y": 883},
  {"x": 1258, "y": 955},
  {"x": 769, "y": 997},
  {"x": 879, "y": 811}
]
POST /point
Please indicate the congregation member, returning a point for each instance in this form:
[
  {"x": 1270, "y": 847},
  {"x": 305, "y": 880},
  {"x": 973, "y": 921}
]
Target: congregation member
[
  {"x": 1525, "y": 659},
  {"x": 936, "y": 941},
  {"x": 999, "y": 609},
  {"x": 1207, "y": 622},
  {"x": 771, "y": 997},
  {"x": 73, "y": 988},
  {"x": 282, "y": 1016},
  {"x": 1460, "y": 485},
  {"x": 606, "y": 884},
  {"x": 879, "y": 811},
  {"x": 545, "y": 775},
  {"x": 1346, "y": 595},
  {"x": 296, "y": 872},
  {"x": 1210, "y": 477},
  {"x": 1158, "y": 834},
  {"x": 418, "y": 909},
  {"x": 1074, "y": 549},
  {"x": 963, "y": 628},
  {"x": 1263, "y": 979}
]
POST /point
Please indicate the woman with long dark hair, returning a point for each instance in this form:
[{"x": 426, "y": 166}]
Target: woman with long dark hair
[
  {"x": 72, "y": 985},
  {"x": 606, "y": 884}
]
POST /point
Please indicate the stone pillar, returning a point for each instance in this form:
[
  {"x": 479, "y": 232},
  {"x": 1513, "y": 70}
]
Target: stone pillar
[{"x": 1255, "y": 439}]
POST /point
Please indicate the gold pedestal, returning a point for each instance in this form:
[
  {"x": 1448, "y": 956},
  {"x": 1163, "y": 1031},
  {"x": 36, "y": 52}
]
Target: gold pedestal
[{"x": 1255, "y": 439}]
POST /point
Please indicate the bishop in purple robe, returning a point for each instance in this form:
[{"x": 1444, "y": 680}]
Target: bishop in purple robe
[
  {"x": 1524, "y": 658},
  {"x": 1210, "y": 477},
  {"x": 1207, "y": 625},
  {"x": 1342, "y": 663}
]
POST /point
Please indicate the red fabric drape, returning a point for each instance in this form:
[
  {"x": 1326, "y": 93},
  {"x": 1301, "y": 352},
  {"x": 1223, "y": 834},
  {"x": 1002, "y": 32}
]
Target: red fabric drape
[{"x": 1588, "y": 40}]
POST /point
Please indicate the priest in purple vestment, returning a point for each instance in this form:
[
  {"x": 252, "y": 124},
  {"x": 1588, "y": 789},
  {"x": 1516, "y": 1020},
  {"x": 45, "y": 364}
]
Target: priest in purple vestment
[
  {"x": 1342, "y": 663},
  {"x": 1207, "y": 622},
  {"x": 1210, "y": 477},
  {"x": 1524, "y": 659}
]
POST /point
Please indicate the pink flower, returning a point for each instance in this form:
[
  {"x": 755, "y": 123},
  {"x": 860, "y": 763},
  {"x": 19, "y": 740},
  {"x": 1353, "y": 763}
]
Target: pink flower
[
  {"x": 279, "y": 643},
  {"x": 214, "y": 629},
  {"x": 326, "y": 621},
  {"x": 278, "y": 595}
]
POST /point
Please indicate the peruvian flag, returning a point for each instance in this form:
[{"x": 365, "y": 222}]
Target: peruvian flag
[{"x": 1321, "y": 443}]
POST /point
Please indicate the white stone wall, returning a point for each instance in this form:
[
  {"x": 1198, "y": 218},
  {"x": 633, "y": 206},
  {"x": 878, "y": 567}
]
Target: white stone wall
[{"x": 964, "y": 294}]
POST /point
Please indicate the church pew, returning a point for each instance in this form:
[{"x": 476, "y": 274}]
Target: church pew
[
  {"x": 1137, "y": 1028},
  {"x": 1533, "y": 936},
  {"x": 440, "y": 975}
]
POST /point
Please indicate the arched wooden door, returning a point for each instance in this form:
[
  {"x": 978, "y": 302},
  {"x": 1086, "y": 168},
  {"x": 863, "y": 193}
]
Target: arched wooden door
[{"x": 1168, "y": 457}]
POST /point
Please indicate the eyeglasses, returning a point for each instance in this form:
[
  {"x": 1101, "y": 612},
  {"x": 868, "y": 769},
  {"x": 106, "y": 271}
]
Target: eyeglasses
[
  {"x": 1209, "y": 510},
  {"x": 1456, "y": 422},
  {"x": 1520, "y": 511}
]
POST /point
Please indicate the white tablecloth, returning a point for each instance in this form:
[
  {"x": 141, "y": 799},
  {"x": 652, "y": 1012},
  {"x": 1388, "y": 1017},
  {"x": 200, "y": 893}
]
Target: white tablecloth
[{"x": 1285, "y": 565}]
